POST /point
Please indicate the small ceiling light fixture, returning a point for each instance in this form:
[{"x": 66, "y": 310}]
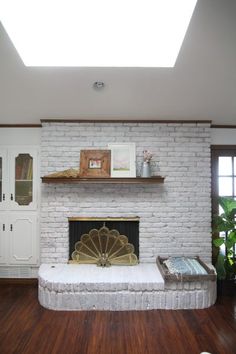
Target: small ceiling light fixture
[
  {"x": 98, "y": 85},
  {"x": 91, "y": 33}
]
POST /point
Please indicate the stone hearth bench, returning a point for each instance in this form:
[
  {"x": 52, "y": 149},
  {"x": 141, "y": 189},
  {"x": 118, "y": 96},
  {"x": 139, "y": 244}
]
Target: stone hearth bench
[{"x": 118, "y": 288}]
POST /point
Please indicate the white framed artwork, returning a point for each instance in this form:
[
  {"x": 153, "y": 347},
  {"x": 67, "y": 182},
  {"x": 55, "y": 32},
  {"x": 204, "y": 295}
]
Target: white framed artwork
[{"x": 123, "y": 159}]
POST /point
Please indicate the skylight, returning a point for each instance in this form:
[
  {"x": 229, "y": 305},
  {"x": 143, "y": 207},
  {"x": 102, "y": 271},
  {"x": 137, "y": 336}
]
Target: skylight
[{"x": 97, "y": 33}]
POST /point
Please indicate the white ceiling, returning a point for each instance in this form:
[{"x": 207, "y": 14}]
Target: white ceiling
[{"x": 202, "y": 85}]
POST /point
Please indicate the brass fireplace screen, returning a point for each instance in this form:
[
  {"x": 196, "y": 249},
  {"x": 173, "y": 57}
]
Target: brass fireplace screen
[{"x": 104, "y": 247}]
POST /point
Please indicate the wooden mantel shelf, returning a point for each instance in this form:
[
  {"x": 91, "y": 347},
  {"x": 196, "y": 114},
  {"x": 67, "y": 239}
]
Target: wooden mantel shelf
[{"x": 109, "y": 180}]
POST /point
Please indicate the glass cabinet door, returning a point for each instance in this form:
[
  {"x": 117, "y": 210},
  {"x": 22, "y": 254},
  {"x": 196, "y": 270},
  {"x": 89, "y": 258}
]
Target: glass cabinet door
[
  {"x": 23, "y": 179},
  {"x": 23, "y": 170}
]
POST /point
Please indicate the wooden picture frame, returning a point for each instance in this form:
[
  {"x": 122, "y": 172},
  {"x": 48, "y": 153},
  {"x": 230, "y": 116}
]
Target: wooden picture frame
[{"x": 95, "y": 163}]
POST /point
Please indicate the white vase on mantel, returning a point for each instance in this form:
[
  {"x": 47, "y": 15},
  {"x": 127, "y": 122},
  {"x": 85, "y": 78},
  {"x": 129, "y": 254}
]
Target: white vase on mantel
[{"x": 146, "y": 169}]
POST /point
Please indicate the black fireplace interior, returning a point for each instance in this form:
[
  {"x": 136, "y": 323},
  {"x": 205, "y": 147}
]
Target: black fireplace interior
[{"x": 128, "y": 228}]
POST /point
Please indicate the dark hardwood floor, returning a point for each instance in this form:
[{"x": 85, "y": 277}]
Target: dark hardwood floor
[{"x": 27, "y": 328}]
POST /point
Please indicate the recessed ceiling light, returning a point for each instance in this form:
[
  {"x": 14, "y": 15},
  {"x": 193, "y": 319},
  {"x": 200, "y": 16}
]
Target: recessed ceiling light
[
  {"x": 98, "y": 84},
  {"x": 104, "y": 33}
]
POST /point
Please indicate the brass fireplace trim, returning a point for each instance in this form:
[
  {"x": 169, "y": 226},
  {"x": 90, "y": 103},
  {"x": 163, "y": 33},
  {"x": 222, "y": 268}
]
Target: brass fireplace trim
[
  {"x": 109, "y": 218},
  {"x": 104, "y": 247}
]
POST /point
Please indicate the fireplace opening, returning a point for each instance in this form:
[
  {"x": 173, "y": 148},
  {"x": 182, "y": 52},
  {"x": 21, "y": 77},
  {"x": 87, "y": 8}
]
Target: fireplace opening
[{"x": 79, "y": 226}]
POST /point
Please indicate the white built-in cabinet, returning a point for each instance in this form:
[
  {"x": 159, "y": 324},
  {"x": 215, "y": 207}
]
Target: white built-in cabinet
[{"x": 19, "y": 206}]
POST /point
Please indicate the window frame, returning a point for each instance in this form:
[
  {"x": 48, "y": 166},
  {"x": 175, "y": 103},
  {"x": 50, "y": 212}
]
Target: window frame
[{"x": 216, "y": 152}]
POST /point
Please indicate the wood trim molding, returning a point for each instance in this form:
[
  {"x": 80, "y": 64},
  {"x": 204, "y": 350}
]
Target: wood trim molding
[
  {"x": 124, "y": 121},
  {"x": 215, "y": 126},
  {"x": 223, "y": 147},
  {"x": 20, "y": 125},
  {"x": 19, "y": 281},
  {"x": 223, "y": 126}
]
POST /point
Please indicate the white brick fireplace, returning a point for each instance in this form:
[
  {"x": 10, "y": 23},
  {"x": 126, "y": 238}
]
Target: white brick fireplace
[{"x": 175, "y": 217}]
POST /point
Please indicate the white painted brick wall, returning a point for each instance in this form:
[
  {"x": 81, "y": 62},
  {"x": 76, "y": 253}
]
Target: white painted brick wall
[{"x": 175, "y": 217}]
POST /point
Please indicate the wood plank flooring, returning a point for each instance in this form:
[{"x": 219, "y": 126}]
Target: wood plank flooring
[{"x": 28, "y": 328}]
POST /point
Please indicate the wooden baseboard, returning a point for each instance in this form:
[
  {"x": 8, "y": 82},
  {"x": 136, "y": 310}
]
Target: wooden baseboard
[{"x": 19, "y": 281}]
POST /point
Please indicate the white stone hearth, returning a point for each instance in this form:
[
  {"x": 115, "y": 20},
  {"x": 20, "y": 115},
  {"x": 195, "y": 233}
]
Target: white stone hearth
[{"x": 140, "y": 287}]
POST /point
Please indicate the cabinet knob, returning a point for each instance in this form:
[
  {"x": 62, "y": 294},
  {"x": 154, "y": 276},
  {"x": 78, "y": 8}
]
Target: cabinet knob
[
  {"x": 11, "y": 227},
  {"x": 11, "y": 196},
  {"x": 3, "y": 196},
  {"x": 3, "y": 227}
]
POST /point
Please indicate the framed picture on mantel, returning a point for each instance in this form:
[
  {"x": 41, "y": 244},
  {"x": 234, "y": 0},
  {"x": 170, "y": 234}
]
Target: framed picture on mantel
[
  {"x": 123, "y": 158},
  {"x": 95, "y": 163}
]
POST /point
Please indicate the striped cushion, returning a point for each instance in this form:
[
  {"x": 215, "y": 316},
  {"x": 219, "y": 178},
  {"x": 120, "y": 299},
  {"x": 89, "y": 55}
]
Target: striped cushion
[{"x": 183, "y": 265}]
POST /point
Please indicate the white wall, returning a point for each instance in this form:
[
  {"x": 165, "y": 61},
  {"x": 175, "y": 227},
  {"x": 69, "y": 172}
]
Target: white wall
[
  {"x": 223, "y": 136},
  {"x": 20, "y": 136}
]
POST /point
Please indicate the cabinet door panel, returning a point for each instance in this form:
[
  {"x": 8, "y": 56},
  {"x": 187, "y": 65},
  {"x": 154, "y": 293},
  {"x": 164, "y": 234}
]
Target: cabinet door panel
[
  {"x": 3, "y": 241},
  {"x": 3, "y": 179},
  {"x": 23, "y": 179},
  {"x": 22, "y": 238}
]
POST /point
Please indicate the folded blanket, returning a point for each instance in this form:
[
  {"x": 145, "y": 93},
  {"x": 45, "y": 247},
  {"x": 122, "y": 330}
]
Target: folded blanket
[{"x": 184, "y": 265}]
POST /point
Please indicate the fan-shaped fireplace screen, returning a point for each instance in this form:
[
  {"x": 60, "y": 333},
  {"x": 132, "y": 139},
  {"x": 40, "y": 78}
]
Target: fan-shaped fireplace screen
[{"x": 104, "y": 247}]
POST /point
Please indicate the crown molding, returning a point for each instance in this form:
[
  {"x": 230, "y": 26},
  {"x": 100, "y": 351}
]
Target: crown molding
[
  {"x": 223, "y": 126},
  {"x": 125, "y": 121},
  {"x": 20, "y": 125}
]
